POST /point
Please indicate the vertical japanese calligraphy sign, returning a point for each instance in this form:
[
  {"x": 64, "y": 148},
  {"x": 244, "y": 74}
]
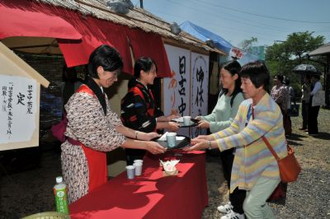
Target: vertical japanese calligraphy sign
[
  {"x": 18, "y": 111},
  {"x": 199, "y": 91},
  {"x": 177, "y": 88},
  {"x": 19, "y": 101}
]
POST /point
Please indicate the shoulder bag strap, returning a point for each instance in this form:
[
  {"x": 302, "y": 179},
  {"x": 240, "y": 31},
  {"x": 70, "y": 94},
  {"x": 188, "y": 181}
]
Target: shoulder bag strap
[
  {"x": 266, "y": 140},
  {"x": 270, "y": 148}
]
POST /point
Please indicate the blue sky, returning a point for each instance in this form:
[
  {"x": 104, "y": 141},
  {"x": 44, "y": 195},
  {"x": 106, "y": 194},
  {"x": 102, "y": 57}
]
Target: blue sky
[{"x": 238, "y": 20}]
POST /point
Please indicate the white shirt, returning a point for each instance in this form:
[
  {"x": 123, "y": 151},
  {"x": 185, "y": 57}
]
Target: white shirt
[{"x": 316, "y": 88}]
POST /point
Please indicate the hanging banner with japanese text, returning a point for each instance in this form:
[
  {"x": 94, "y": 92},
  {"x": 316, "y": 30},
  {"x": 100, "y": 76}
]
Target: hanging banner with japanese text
[
  {"x": 18, "y": 111},
  {"x": 199, "y": 91},
  {"x": 176, "y": 89}
]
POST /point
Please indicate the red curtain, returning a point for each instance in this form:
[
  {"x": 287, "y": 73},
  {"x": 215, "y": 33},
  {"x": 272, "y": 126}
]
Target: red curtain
[
  {"x": 150, "y": 44},
  {"x": 79, "y": 35},
  {"x": 21, "y": 20},
  {"x": 95, "y": 33}
]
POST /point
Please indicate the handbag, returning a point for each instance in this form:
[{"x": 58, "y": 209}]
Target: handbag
[
  {"x": 58, "y": 129},
  {"x": 288, "y": 166},
  {"x": 279, "y": 194}
]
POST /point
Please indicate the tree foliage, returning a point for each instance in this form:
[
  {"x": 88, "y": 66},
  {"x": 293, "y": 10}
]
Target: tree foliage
[
  {"x": 283, "y": 56},
  {"x": 247, "y": 44},
  {"x": 293, "y": 50}
]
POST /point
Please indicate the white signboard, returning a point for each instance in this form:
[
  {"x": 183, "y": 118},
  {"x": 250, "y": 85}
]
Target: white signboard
[
  {"x": 18, "y": 102},
  {"x": 177, "y": 88},
  {"x": 200, "y": 81},
  {"x": 199, "y": 92},
  {"x": 187, "y": 89}
]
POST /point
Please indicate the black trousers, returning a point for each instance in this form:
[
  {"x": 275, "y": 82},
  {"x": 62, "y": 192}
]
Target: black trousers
[
  {"x": 312, "y": 119},
  {"x": 304, "y": 114},
  {"x": 227, "y": 159},
  {"x": 286, "y": 122},
  {"x": 237, "y": 197}
]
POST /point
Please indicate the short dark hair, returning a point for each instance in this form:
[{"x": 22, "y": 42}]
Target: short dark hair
[
  {"x": 280, "y": 78},
  {"x": 143, "y": 63},
  {"x": 287, "y": 81},
  {"x": 105, "y": 56},
  {"x": 258, "y": 74},
  {"x": 316, "y": 76}
]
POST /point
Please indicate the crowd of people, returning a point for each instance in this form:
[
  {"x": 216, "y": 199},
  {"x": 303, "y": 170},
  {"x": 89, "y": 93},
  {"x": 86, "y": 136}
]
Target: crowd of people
[
  {"x": 311, "y": 100},
  {"x": 246, "y": 110}
]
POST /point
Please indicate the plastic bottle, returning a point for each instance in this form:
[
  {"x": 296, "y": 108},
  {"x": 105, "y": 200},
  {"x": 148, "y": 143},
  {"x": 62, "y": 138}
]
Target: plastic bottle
[{"x": 61, "y": 198}]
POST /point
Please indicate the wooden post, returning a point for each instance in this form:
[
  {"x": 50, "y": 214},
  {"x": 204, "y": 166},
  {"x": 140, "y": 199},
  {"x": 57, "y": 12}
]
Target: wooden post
[{"x": 327, "y": 82}]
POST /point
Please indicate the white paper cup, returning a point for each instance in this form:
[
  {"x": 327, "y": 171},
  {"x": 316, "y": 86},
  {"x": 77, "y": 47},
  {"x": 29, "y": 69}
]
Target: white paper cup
[
  {"x": 138, "y": 168},
  {"x": 186, "y": 120},
  {"x": 171, "y": 139},
  {"x": 130, "y": 169},
  {"x": 138, "y": 161}
]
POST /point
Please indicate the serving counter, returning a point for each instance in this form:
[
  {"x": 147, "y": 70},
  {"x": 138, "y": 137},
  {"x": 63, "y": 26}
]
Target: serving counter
[{"x": 151, "y": 195}]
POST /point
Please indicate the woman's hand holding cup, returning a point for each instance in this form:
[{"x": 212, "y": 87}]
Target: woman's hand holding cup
[
  {"x": 155, "y": 148},
  {"x": 203, "y": 124},
  {"x": 173, "y": 126}
]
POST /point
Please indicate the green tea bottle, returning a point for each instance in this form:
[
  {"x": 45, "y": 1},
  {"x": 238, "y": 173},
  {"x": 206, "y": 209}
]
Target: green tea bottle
[{"x": 61, "y": 198}]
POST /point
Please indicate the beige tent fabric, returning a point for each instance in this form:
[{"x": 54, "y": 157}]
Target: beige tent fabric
[
  {"x": 12, "y": 64},
  {"x": 214, "y": 79},
  {"x": 135, "y": 18}
]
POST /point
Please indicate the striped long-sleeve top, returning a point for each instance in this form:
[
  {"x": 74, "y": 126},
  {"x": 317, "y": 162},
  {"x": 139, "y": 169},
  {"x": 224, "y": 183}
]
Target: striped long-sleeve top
[{"x": 253, "y": 158}]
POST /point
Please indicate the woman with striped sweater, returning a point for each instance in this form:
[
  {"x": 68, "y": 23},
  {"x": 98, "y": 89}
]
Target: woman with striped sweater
[{"x": 255, "y": 168}]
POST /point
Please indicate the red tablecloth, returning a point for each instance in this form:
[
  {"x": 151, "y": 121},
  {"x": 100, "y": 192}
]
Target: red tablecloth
[{"x": 151, "y": 195}]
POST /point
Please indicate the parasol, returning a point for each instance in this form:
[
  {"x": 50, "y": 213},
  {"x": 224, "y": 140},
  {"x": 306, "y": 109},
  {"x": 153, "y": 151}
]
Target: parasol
[{"x": 306, "y": 69}]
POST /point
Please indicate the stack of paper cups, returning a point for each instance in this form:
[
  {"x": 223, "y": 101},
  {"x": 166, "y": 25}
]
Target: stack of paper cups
[{"x": 138, "y": 167}]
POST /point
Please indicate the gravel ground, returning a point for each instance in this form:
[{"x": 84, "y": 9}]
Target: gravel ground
[{"x": 29, "y": 190}]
